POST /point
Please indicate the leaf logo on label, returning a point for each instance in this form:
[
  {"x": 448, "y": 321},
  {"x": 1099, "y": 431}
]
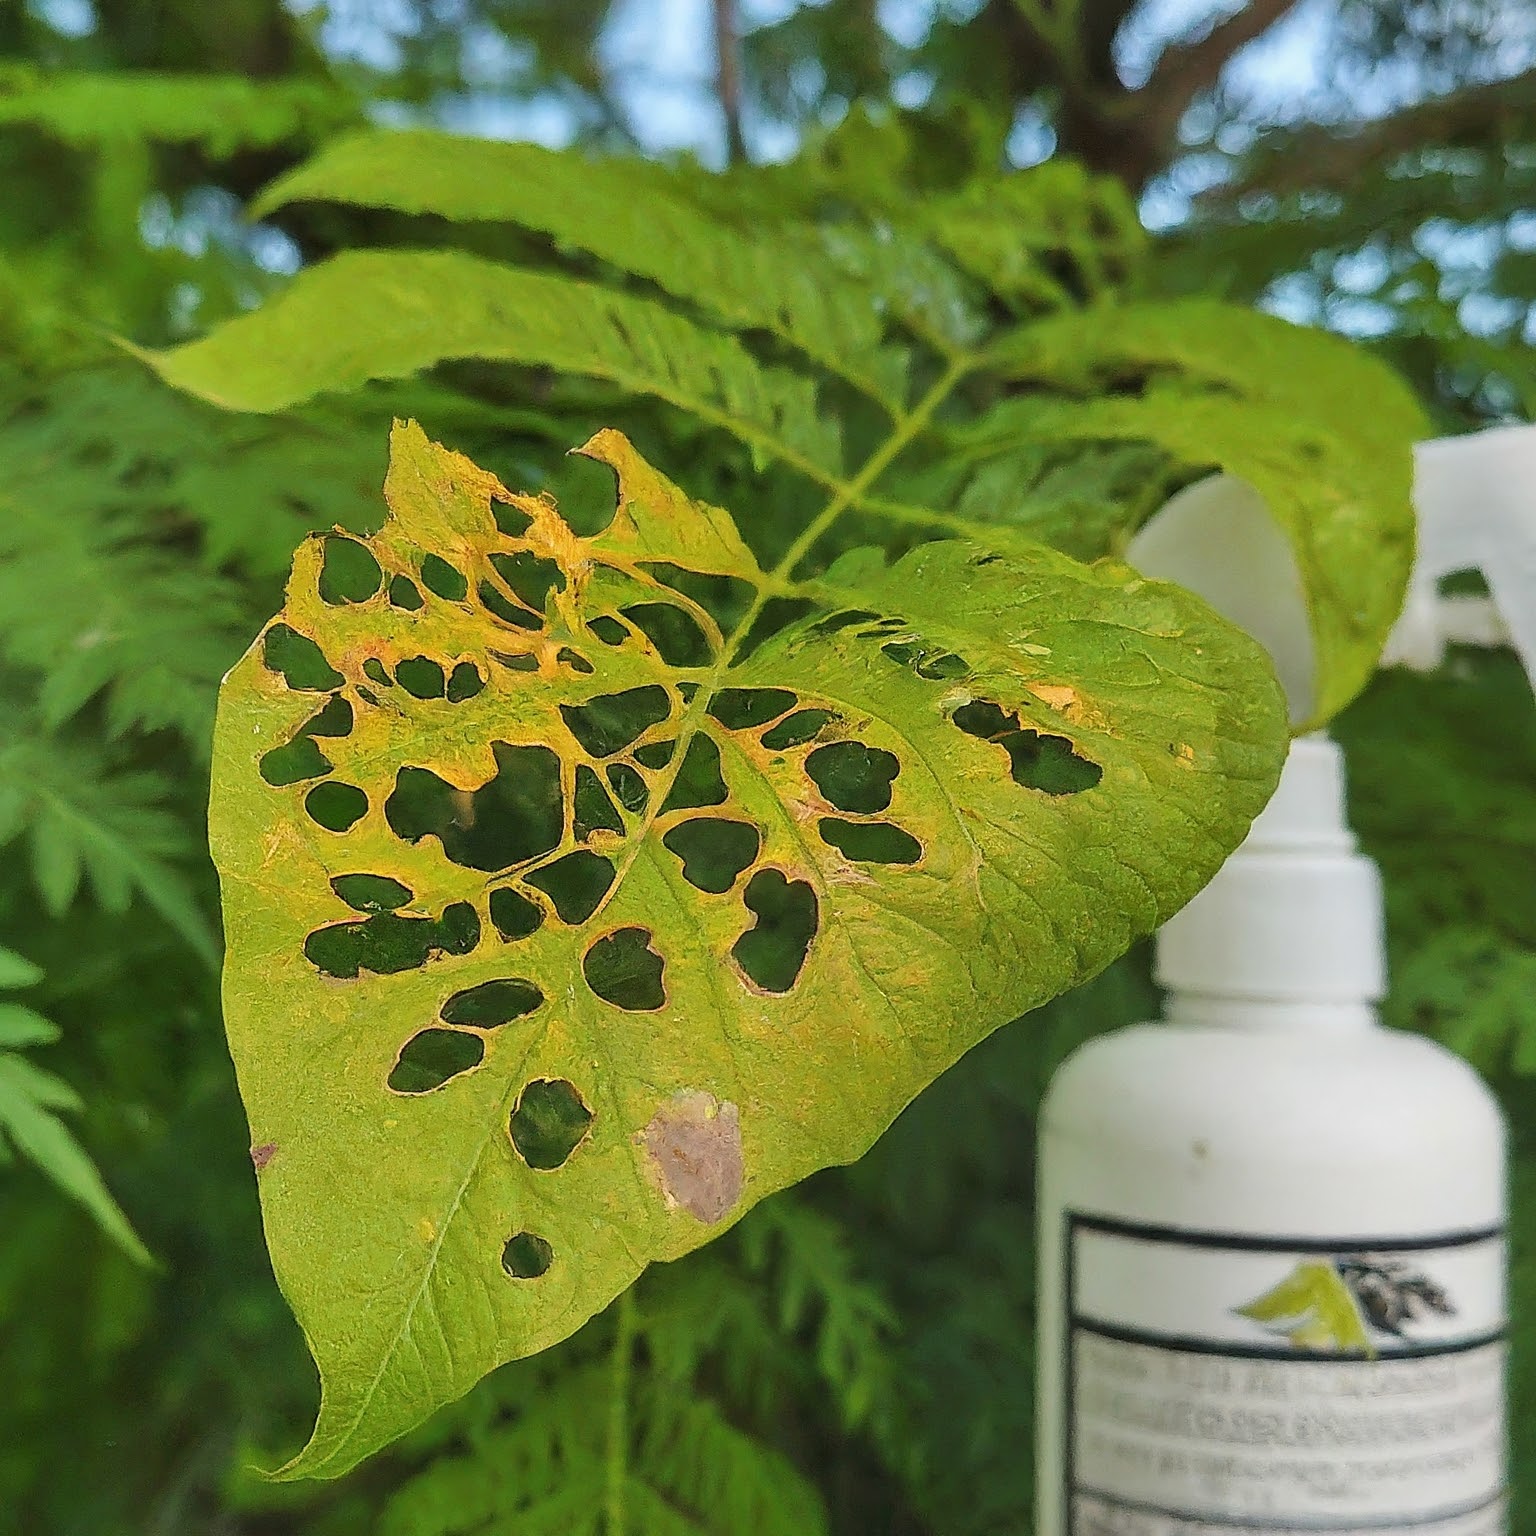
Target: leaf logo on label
[
  {"x": 580, "y": 892},
  {"x": 1334, "y": 1304}
]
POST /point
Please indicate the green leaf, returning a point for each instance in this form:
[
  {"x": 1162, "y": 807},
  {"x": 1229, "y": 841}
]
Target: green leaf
[
  {"x": 15, "y": 971},
  {"x": 1274, "y": 404},
  {"x": 220, "y": 113},
  {"x": 113, "y": 829},
  {"x": 627, "y": 213},
  {"x": 660, "y": 919},
  {"x": 387, "y": 314},
  {"x": 1314, "y": 1307},
  {"x": 29, "y": 1098}
]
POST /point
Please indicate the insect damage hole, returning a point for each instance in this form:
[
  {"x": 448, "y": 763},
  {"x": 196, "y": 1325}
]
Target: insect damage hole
[
  {"x": 694, "y": 1145},
  {"x": 299, "y": 661},
  {"x": 714, "y": 850},
  {"x": 371, "y": 893},
  {"x": 336, "y": 807},
  {"x": 1037, "y": 761},
  {"x": 623, "y": 969},
  {"x": 576, "y": 884},
  {"x": 517, "y": 815},
  {"x": 870, "y": 842},
  {"x": 699, "y": 782},
  {"x": 421, "y": 677},
  {"x": 492, "y": 1003},
  {"x": 673, "y": 631},
  {"x": 611, "y": 721},
  {"x": 514, "y": 915},
  {"x": 530, "y": 577},
  {"x": 550, "y": 1122},
  {"x": 854, "y": 777},
  {"x": 797, "y": 729},
  {"x": 772, "y": 951},
  {"x": 433, "y": 1057},
  {"x": 404, "y": 593},
  {"x": 348, "y": 572},
  {"x": 443, "y": 580},
  {"x": 526, "y": 1256},
  {"x": 388, "y": 943},
  {"x": 744, "y": 709}
]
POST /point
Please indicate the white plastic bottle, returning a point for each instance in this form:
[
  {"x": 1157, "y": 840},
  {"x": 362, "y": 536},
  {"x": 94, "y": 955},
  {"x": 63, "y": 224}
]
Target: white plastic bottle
[{"x": 1271, "y": 1272}]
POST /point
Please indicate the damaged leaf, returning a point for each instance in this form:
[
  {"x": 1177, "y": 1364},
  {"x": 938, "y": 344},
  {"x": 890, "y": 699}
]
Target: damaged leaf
[{"x": 569, "y": 968}]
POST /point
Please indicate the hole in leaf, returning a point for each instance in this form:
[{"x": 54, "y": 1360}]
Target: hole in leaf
[
  {"x": 854, "y": 777},
  {"x": 673, "y": 631},
  {"x": 512, "y": 521},
  {"x": 575, "y": 661},
  {"x": 608, "y": 723},
  {"x": 870, "y": 842},
  {"x": 844, "y": 618},
  {"x": 514, "y": 915},
  {"x": 725, "y": 599},
  {"x": 526, "y": 1256},
  {"x": 744, "y": 709},
  {"x": 516, "y": 661},
  {"x": 516, "y": 816},
  {"x": 549, "y": 1123},
  {"x": 628, "y": 786},
  {"x": 464, "y": 682},
  {"x": 608, "y": 629},
  {"x": 371, "y": 893},
  {"x": 506, "y": 610},
  {"x": 299, "y": 660},
  {"x": 774, "y": 949},
  {"x": 777, "y": 614},
  {"x": 374, "y": 668},
  {"x": 575, "y": 883},
  {"x": 530, "y": 577},
  {"x": 404, "y": 593},
  {"x": 797, "y": 729},
  {"x": 367, "y": 695},
  {"x": 335, "y": 719},
  {"x": 433, "y": 1057},
  {"x": 348, "y": 572},
  {"x": 714, "y": 851},
  {"x": 687, "y": 691},
  {"x": 925, "y": 660},
  {"x": 293, "y": 762},
  {"x": 336, "y": 807},
  {"x": 492, "y": 1003},
  {"x": 593, "y": 809},
  {"x": 438, "y": 577},
  {"x": 623, "y": 969},
  {"x": 421, "y": 677},
  {"x": 388, "y": 943},
  {"x": 655, "y": 754},
  {"x": 1037, "y": 761},
  {"x": 699, "y": 782}
]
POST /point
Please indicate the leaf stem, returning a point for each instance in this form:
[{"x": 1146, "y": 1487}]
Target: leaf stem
[{"x": 616, "y": 1460}]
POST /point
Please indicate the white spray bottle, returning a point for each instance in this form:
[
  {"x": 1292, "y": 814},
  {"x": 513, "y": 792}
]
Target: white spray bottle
[{"x": 1271, "y": 1255}]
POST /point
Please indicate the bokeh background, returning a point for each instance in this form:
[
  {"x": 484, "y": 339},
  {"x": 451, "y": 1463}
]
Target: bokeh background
[{"x": 856, "y": 1357}]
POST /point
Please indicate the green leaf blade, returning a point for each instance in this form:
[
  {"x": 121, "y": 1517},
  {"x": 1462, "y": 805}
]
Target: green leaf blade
[
  {"x": 367, "y": 315},
  {"x": 702, "y": 1029}
]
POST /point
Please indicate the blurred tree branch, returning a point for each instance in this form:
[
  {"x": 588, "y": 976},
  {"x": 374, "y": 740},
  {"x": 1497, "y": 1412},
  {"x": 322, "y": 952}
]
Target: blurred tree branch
[
  {"x": 728, "y": 79},
  {"x": 1319, "y": 158}
]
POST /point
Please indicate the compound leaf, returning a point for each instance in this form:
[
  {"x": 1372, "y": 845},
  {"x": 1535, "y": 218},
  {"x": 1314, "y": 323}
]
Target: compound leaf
[
  {"x": 1275, "y": 404},
  {"x": 563, "y": 925},
  {"x": 388, "y": 314}
]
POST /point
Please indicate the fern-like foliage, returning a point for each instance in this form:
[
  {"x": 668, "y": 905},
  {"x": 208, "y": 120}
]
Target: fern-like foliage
[
  {"x": 909, "y": 359},
  {"x": 675, "y": 1413},
  {"x": 31, "y": 1102}
]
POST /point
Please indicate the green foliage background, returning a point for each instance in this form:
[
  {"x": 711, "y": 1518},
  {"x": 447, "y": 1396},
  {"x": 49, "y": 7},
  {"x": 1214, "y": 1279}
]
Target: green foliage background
[{"x": 857, "y": 1356}]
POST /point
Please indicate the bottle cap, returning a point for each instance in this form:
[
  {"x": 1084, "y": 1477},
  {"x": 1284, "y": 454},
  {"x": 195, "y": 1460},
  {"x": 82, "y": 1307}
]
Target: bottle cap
[{"x": 1295, "y": 915}]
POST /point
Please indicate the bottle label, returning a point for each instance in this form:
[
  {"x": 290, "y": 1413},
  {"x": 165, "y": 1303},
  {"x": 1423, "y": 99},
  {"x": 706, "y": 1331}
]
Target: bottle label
[{"x": 1221, "y": 1385}]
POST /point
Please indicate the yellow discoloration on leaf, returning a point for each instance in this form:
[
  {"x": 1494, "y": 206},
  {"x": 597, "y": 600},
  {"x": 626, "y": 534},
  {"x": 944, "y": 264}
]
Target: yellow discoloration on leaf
[{"x": 482, "y": 874}]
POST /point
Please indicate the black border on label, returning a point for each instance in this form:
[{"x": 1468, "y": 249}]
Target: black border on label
[{"x": 1191, "y": 1237}]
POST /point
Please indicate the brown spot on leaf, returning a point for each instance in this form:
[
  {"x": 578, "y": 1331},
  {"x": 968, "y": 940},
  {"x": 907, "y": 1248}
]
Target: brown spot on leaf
[
  {"x": 694, "y": 1142},
  {"x": 262, "y": 1155}
]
